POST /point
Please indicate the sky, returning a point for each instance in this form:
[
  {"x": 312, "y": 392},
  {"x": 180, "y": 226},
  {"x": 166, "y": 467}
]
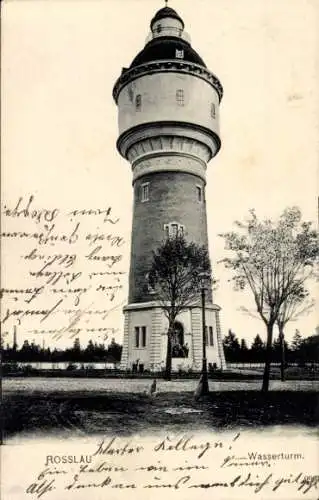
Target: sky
[{"x": 60, "y": 60}]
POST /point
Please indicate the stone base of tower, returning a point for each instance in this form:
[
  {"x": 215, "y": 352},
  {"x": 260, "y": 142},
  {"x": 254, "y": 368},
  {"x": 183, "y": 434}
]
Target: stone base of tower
[{"x": 145, "y": 338}]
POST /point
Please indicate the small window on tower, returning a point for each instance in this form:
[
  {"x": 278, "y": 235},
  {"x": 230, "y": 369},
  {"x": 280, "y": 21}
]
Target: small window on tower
[
  {"x": 199, "y": 193},
  {"x": 149, "y": 283},
  {"x": 211, "y": 338},
  {"x": 137, "y": 336},
  {"x": 173, "y": 230},
  {"x": 145, "y": 192},
  {"x": 138, "y": 102},
  {"x": 213, "y": 110},
  {"x": 206, "y": 335},
  {"x": 179, "y": 54},
  {"x": 180, "y": 97},
  {"x": 143, "y": 336}
]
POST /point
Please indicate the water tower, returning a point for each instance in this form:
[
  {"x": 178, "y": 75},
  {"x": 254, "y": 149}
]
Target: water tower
[{"x": 168, "y": 118}]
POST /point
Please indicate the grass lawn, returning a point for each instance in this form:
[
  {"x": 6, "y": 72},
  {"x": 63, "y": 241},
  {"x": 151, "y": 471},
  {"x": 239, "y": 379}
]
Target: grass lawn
[{"x": 128, "y": 413}]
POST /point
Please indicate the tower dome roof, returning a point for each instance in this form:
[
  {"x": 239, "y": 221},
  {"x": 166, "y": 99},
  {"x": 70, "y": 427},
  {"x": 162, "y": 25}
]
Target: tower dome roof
[
  {"x": 167, "y": 48},
  {"x": 166, "y": 12}
]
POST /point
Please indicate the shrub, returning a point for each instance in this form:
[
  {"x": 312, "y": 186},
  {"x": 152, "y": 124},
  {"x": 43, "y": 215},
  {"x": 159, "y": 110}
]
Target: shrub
[{"x": 71, "y": 367}]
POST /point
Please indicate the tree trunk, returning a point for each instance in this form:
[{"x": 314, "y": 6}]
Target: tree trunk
[
  {"x": 268, "y": 354},
  {"x": 282, "y": 354},
  {"x": 168, "y": 369}
]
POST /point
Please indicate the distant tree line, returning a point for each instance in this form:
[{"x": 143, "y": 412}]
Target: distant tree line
[
  {"x": 93, "y": 352},
  {"x": 300, "y": 350}
]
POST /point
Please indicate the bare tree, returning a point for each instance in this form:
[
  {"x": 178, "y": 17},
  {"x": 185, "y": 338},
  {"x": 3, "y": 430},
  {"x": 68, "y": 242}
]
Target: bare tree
[
  {"x": 274, "y": 260},
  {"x": 175, "y": 278}
]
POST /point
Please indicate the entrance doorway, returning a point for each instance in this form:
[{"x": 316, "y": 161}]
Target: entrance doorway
[{"x": 179, "y": 350}]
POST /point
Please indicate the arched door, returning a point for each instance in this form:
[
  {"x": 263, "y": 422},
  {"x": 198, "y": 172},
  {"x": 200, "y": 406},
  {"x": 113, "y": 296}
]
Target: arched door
[{"x": 178, "y": 340}]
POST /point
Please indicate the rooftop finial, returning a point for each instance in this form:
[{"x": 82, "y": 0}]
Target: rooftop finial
[{"x": 166, "y": 2}]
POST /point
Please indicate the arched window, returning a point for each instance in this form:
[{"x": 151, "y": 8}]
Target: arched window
[
  {"x": 213, "y": 110},
  {"x": 138, "y": 102},
  {"x": 180, "y": 97}
]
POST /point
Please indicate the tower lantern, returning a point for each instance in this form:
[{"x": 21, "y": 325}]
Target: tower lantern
[{"x": 168, "y": 118}]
